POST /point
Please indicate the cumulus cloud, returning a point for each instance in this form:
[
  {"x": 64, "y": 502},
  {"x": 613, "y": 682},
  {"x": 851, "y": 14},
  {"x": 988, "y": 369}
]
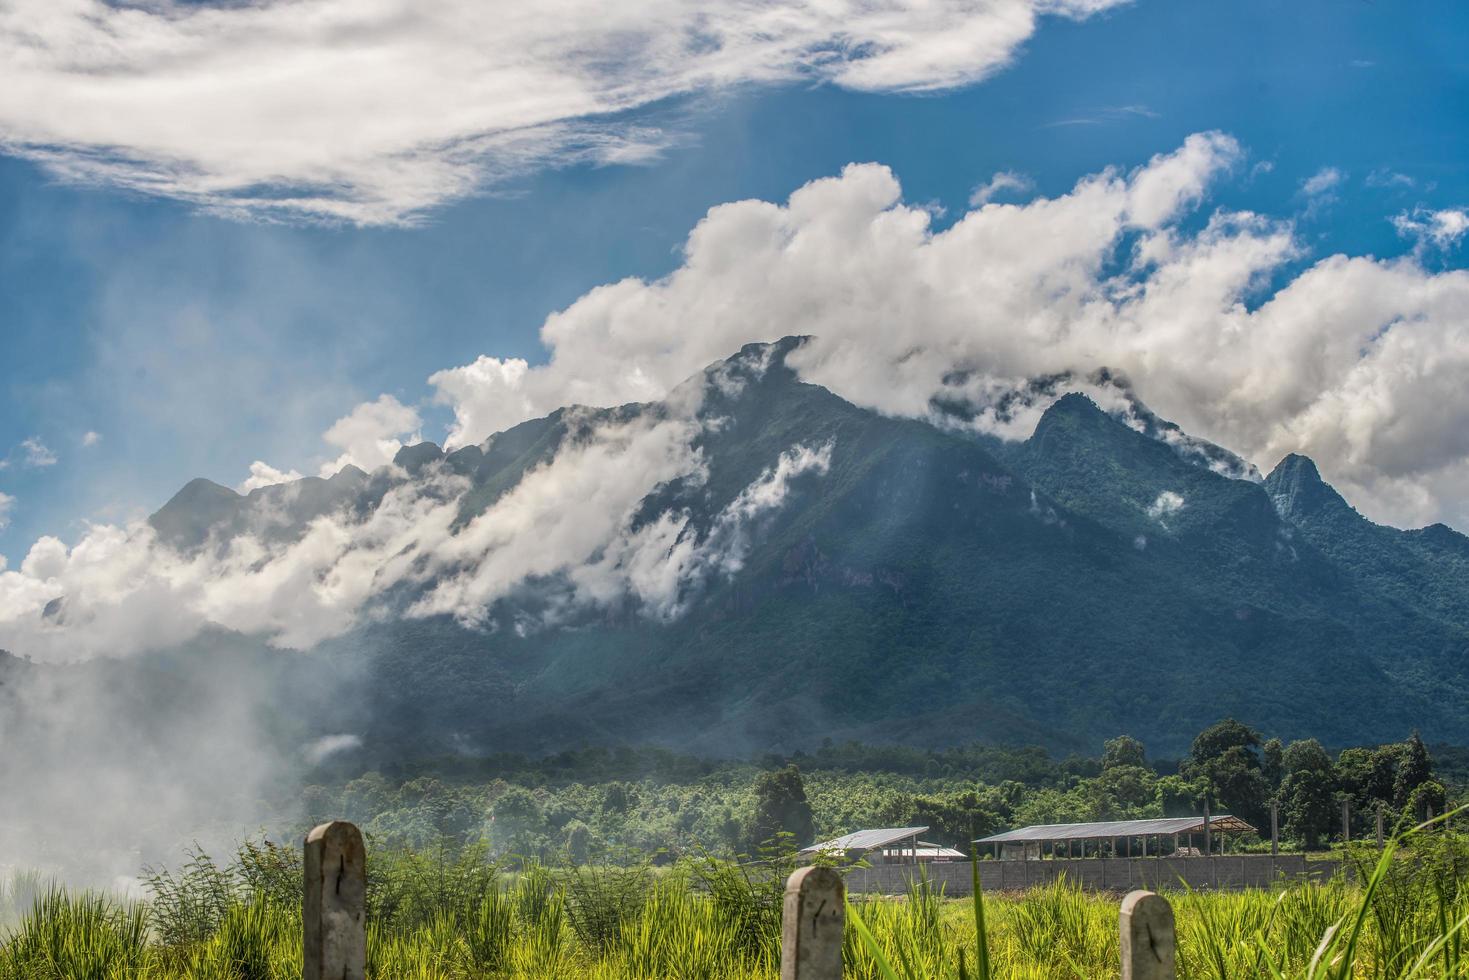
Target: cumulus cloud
[
  {"x": 371, "y": 434},
  {"x": 1443, "y": 229},
  {"x": 1355, "y": 361},
  {"x": 262, "y": 474},
  {"x": 1004, "y": 182},
  {"x": 373, "y": 113}
]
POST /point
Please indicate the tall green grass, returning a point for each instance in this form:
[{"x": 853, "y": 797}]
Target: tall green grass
[{"x": 448, "y": 914}]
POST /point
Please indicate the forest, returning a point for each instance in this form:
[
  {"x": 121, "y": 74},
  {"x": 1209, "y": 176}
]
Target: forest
[{"x": 632, "y": 804}]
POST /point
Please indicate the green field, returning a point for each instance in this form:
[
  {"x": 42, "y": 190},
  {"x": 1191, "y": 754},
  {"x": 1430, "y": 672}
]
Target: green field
[{"x": 453, "y": 914}]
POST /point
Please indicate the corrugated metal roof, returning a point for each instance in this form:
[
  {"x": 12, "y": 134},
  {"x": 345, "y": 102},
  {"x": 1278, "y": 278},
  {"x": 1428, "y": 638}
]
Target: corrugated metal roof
[
  {"x": 1222, "y": 823},
  {"x": 866, "y": 840}
]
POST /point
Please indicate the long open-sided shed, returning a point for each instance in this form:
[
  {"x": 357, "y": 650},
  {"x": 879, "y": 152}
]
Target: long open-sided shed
[
  {"x": 1172, "y": 834},
  {"x": 887, "y": 845}
]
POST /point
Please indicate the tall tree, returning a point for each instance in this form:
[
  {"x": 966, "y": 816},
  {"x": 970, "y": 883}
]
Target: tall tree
[
  {"x": 781, "y": 807},
  {"x": 1414, "y": 769},
  {"x": 1124, "y": 750},
  {"x": 1272, "y": 763},
  {"x": 1225, "y": 758}
]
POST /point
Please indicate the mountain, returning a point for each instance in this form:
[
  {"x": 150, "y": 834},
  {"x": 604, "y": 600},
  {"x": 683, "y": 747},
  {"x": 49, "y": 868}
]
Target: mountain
[{"x": 926, "y": 585}]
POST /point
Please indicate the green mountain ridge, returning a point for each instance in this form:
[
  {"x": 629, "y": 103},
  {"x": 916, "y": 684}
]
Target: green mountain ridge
[{"x": 930, "y": 588}]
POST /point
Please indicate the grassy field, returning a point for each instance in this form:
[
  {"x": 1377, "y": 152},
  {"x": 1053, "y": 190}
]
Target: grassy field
[{"x": 454, "y": 916}]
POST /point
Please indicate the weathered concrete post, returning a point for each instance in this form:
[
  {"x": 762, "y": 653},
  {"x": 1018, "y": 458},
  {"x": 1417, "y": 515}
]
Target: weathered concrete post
[
  {"x": 1346, "y": 821},
  {"x": 1379, "y": 827},
  {"x": 1208, "y": 834},
  {"x": 335, "y": 909},
  {"x": 1146, "y": 925},
  {"x": 1274, "y": 829},
  {"x": 814, "y": 916}
]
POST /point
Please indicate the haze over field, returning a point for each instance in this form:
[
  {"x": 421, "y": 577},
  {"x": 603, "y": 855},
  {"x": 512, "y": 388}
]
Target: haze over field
[{"x": 721, "y": 376}]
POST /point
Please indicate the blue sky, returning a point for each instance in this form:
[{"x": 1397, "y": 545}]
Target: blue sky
[{"x": 193, "y": 343}]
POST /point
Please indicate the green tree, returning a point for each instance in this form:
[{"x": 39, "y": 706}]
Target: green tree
[
  {"x": 1126, "y": 792},
  {"x": 1428, "y": 796},
  {"x": 1366, "y": 775},
  {"x": 1124, "y": 750},
  {"x": 1272, "y": 763},
  {"x": 1308, "y": 792},
  {"x": 1414, "y": 769},
  {"x": 578, "y": 842},
  {"x": 1225, "y": 757},
  {"x": 1308, "y": 805},
  {"x": 1219, "y": 738},
  {"x": 1306, "y": 754},
  {"x": 781, "y": 807},
  {"x": 518, "y": 823}
]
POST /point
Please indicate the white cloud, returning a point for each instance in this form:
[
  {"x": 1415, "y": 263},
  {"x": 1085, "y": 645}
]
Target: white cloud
[
  {"x": 7, "y": 504},
  {"x": 1385, "y": 177},
  {"x": 1004, "y": 182},
  {"x": 37, "y": 455},
  {"x": 375, "y": 112},
  {"x": 91, "y": 438},
  {"x": 568, "y": 535},
  {"x": 1443, "y": 229},
  {"x": 1355, "y": 361},
  {"x": 1168, "y": 503},
  {"x": 262, "y": 474},
  {"x": 1324, "y": 181},
  {"x": 321, "y": 749},
  {"x": 663, "y": 563},
  {"x": 371, "y": 434}
]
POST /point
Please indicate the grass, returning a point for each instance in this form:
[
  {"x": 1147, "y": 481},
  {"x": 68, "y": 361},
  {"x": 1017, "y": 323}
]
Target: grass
[{"x": 455, "y": 915}]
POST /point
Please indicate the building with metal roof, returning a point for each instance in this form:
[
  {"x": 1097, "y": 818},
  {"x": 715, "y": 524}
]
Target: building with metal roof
[
  {"x": 888, "y": 845},
  {"x": 1172, "y": 834}
]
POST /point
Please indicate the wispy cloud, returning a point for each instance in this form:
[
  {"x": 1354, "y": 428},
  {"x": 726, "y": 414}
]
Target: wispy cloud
[
  {"x": 32, "y": 453},
  {"x": 374, "y": 113},
  {"x": 1441, "y": 229},
  {"x": 1385, "y": 177},
  {"x": 1004, "y": 182},
  {"x": 1105, "y": 114},
  {"x": 7, "y": 504},
  {"x": 91, "y": 438},
  {"x": 1324, "y": 181}
]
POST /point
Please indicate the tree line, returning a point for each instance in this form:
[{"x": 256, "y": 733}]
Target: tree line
[{"x": 565, "y": 809}]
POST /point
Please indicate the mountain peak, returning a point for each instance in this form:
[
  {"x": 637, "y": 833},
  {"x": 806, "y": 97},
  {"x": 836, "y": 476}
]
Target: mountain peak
[
  {"x": 1297, "y": 489},
  {"x": 188, "y": 515},
  {"x": 415, "y": 457}
]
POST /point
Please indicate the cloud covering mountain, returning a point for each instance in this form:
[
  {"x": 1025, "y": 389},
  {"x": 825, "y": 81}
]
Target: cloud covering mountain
[
  {"x": 1221, "y": 324},
  {"x": 1120, "y": 287}
]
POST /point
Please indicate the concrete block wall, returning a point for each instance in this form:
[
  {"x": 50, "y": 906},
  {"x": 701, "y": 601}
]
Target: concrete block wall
[{"x": 1233, "y": 871}]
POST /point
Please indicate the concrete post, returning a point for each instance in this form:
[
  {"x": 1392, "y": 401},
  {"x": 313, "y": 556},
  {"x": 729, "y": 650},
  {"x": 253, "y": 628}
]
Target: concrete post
[
  {"x": 812, "y": 921},
  {"x": 1146, "y": 928},
  {"x": 1346, "y": 821},
  {"x": 334, "y": 922},
  {"x": 1379, "y": 827},
  {"x": 1208, "y": 840},
  {"x": 1274, "y": 829}
]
